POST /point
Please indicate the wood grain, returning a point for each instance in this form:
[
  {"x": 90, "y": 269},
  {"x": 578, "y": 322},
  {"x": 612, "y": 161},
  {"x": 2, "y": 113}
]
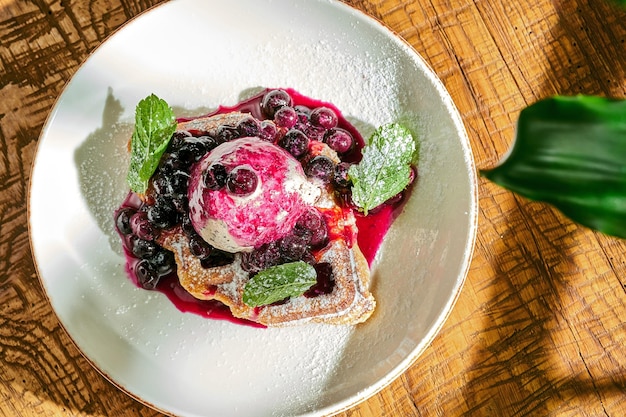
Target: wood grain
[{"x": 539, "y": 326}]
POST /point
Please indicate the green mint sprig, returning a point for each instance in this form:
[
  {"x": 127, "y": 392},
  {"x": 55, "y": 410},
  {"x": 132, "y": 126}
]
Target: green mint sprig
[
  {"x": 154, "y": 125},
  {"x": 279, "y": 282},
  {"x": 385, "y": 169}
]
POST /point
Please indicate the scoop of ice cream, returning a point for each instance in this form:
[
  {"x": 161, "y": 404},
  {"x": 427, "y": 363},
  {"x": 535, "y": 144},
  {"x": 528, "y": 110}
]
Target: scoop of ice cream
[{"x": 247, "y": 192}]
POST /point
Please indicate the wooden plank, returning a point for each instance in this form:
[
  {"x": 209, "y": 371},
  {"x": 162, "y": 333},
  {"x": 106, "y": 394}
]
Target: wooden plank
[{"x": 538, "y": 328}]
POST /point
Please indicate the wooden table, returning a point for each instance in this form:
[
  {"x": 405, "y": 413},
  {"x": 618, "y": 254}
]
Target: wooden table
[{"x": 538, "y": 328}]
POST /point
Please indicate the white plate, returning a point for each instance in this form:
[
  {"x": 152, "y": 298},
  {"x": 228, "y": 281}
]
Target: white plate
[{"x": 197, "y": 54}]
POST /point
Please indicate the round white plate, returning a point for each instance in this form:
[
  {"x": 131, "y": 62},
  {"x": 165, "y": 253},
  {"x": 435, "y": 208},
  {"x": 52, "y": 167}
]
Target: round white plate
[{"x": 197, "y": 54}]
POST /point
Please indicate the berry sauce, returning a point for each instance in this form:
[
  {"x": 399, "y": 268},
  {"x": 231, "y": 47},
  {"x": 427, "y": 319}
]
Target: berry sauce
[{"x": 371, "y": 228}]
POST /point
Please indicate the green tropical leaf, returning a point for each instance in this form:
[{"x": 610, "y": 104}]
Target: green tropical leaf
[{"x": 570, "y": 152}]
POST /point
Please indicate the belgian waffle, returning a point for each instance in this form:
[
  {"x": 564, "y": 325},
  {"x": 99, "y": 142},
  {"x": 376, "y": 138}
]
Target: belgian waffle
[{"x": 350, "y": 301}]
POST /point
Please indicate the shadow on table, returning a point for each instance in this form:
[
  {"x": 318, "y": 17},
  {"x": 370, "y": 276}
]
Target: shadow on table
[{"x": 537, "y": 258}]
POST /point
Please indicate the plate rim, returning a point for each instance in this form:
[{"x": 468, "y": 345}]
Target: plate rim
[{"x": 472, "y": 215}]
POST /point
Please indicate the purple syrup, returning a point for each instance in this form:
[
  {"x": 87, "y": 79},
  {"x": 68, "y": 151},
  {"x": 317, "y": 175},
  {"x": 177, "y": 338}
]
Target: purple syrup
[
  {"x": 171, "y": 288},
  {"x": 372, "y": 228},
  {"x": 186, "y": 303}
]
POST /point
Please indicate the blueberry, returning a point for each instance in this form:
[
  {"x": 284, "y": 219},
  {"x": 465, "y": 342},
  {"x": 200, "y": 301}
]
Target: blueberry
[
  {"x": 312, "y": 227},
  {"x": 168, "y": 181},
  {"x": 177, "y": 139},
  {"x": 226, "y": 133},
  {"x": 147, "y": 276},
  {"x": 274, "y": 100},
  {"x": 163, "y": 262},
  {"x": 242, "y": 181},
  {"x": 268, "y": 131},
  {"x": 293, "y": 247},
  {"x": 320, "y": 167},
  {"x": 324, "y": 117},
  {"x": 159, "y": 182},
  {"x": 325, "y": 280},
  {"x": 295, "y": 142},
  {"x": 142, "y": 227},
  {"x": 187, "y": 226},
  {"x": 199, "y": 247},
  {"x": 175, "y": 184},
  {"x": 315, "y": 132},
  {"x": 209, "y": 142},
  {"x": 192, "y": 150},
  {"x": 181, "y": 204},
  {"x": 340, "y": 176},
  {"x": 122, "y": 220},
  {"x": 286, "y": 117},
  {"x": 261, "y": 258},
  {"x": 340, "y": 140},
  {"x": 215, "y": 176},
  {"x": 173, "y": 161},
  {"x": 249, "y": 127},
  {"x": 304, "y": 114},
  {"x": 141, "y": 248},
  {"x": 163, "y": 214}
]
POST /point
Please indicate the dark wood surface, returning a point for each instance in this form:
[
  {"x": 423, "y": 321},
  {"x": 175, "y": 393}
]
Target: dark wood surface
[{"x": 539, "y": 326}]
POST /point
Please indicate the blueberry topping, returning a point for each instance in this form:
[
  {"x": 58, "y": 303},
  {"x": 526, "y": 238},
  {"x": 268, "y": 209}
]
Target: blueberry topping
[
  {"x": 261, "y": 258},
  {"x": 192, "y": 150},
  {"x": 295, "y": 142},
  {"x": 340, "y": 140},
  {"x": 142, "y": 227},
  {"x": 286, "y": 117},
  {"x": 320, "y": 167},
  {"x": 268, "y": 131},
  {"x": 312, "y": 227},
  {"x": 172, "y": 162},
  {"x": 325, "y": 280},
  {"x": 177, "y": 184},
  {"x": 315, "y": 132},
  {"x": 178, "y": 138},
  {"x": 181, "y": 204},
  {"x": 217, "y": 258},
  {"x": 163, "y": 262},
  {"x": 199, "y": 247},
  {"x": 122, "y": 220},
  {"x": 249, "y": 127},
  {"x": 187, "y": 226},
  {"x": 163, "y": 214},
  {"x": 274, "y": 100},
  {"x": 142, "y": 249},
  {"x": 209, "y": 142},
  {"x": 242, "y": 181},
  {"x": 324, "y": 117},
  {"x": 226, "y": 133},
  {"x": 293, "y": 247},
  {"x": 304, "y": 113},
  {"x": 147, "y": 275},
  {"x": 215, "y": 176},
  {"x": 340, "y": 177}
]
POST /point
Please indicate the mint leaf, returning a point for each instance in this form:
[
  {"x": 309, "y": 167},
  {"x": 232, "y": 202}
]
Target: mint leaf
[
  {"x": 279, "y": 282},
  {"x": 385, "y": 169},
  {"x": 154, "y": 125}
]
